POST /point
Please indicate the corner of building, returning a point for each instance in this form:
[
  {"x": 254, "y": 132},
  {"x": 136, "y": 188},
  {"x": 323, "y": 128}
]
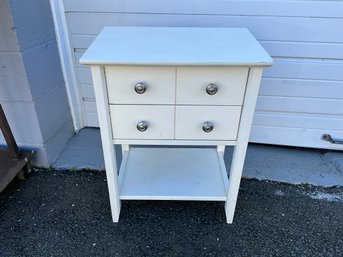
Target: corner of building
[{"x": 33, "y": 90}]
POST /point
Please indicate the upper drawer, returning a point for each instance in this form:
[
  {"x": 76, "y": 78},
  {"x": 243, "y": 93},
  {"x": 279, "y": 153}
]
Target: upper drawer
[
  {"x": 227, "y": 85},
  {"x": 158, "y": 85}
]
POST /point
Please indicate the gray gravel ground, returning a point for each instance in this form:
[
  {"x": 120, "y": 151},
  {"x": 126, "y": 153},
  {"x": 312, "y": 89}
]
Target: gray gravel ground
[{"x": 65, "y": 213}]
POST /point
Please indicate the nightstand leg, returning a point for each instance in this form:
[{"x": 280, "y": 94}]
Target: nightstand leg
[
  {"x": 124, "y": 148},
  {"x": 235, "y": 180},
  {"x": 107, "y": 140},
  {"x": 112, "y": 180},
  {"x": 238, "y": 158}
]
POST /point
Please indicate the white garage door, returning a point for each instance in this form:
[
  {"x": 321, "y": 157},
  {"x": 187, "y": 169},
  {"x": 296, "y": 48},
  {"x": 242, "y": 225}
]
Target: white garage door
[{"x": 301, "y": 96}]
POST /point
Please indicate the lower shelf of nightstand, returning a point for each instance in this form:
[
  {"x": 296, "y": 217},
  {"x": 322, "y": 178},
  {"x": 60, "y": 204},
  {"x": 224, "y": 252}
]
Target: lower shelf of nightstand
[{"x": 161, "y": 173}]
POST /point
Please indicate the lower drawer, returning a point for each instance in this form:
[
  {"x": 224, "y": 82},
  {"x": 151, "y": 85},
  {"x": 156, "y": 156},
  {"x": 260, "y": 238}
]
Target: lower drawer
[
  {"x": 142, "y": 121},
  {"x": 207, "y": 122}
]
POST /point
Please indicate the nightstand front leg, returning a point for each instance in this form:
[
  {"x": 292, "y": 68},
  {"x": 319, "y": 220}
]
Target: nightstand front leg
[
  {"x": 124, "y": 148},
  {"x": 238, "y": 158},
  {"x": 235, "y": 180},
  {"x": 107, "y": 140}
]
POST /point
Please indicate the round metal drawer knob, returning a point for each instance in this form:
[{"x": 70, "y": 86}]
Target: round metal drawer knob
[
  {"x": 140, "y": 88},
  {"x": 142, "y": 126},
  {"x": 207, "y": 127},
  {"x": 211, "y": 89}
]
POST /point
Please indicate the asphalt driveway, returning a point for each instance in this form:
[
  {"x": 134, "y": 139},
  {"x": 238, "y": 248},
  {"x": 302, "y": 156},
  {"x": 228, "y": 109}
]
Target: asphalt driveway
[{"x": 66, "y": 213}]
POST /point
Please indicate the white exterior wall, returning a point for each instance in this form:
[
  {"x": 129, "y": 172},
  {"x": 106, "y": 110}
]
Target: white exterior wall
[
  {"x": 32, "y": 90},
  {"x": 301, "y": 96}
]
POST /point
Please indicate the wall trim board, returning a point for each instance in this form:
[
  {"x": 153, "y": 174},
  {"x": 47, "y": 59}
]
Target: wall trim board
[{"x": 67, "y": 62}]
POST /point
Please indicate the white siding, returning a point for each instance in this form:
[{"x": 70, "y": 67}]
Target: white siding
[{"x": 301, "y": 96}]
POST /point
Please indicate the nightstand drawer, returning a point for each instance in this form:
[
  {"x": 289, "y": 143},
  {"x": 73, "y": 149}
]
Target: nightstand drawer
[
  {"x": 211, "y": 85},
  {"x": 140, "y": 85},
  {"x": 207, "y": 122},
  {"x": 142, "y": 122}
]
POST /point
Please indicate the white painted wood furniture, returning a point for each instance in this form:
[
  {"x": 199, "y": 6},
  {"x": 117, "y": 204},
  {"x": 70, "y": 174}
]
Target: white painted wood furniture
[{"x": 174, "y": 98}]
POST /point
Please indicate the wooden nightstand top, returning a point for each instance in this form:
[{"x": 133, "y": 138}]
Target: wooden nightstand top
[{"x": 179, "y": 46}]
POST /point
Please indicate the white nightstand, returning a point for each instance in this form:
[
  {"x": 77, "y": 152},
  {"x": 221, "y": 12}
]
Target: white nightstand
[{"x": 174, "y": 98}]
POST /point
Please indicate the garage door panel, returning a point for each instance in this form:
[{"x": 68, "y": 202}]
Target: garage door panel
[
  {"x": 301, "y": 96},
  {"x": 82, "y": 41},
  {"x": 295, "y": 137},
  {"x": 85, "y": 75},
  {"x": 305, "y": 69},
  {"x": 87, "y": 91},
  {"x": 301, "y": 88},
  {"x": 299, "y": 105},
  {"x": 277, "y": 119},
  {"x": 218, "y": 7},
  {"x": 280, "y": 28}
]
